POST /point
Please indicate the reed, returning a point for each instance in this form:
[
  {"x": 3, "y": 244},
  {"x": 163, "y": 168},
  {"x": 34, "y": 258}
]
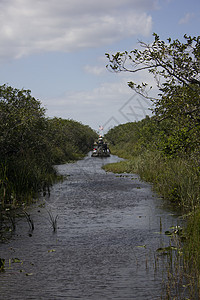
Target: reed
[
  {"x": 181, "y": 278},
  {"x": 29, "y": 220},
  {"x": 176, "y": 179},
  {"x": 2, "y": 264},
  {"x": 53, "y": 220}
]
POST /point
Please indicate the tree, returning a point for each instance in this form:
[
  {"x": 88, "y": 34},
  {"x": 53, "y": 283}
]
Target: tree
[
  {"x": 30, "y": 144},
  {"x": 22, "y": 121},
  {"x": 176, "y": 69},
  {"x": 24, "y": 151},
  {"x": 69, "y": 139}
]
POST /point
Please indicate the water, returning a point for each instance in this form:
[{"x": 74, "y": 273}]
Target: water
[{"x": 105, "y": 244}]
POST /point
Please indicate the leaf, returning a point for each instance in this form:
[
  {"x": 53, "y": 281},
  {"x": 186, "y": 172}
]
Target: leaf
[
  {"x": 2, "y": 264},
  {"x": 142, "y": 246},
  {"x": 51, "y": 250},
  {"x": 29, "y": 274},
  {"x": 16, "y": 260},
  {"x": 169, "y": 233},
  {"x": 9, "y": 263},
  {"x": 166, "y": 249}
]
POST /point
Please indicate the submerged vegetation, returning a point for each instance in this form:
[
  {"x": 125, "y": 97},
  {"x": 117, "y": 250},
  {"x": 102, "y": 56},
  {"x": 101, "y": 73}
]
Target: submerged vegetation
[
  {"x": 164, "y": 149},
  {"x": 31, "y": 144}
]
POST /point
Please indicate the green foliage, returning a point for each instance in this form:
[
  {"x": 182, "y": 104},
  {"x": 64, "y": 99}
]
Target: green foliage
[
  {"x": 30, "y": 144},
  {"x": 191, "y": 248},
  {"x": 176, "y": 69},
  {"x": 132, "y": 137},
  {"x": 2, "y": 264},
  {"x": 173, "y": 64},
  {"x": 68, "y": 139},
  {"x": 191, "y": 266},
  {"x": 24, "y": 160},
  {"x": 22, "y": 122},
  {"x": 165, "y": 149},
  {"x": 160, "y": 156},
  {"x": 125, "y": 166}
]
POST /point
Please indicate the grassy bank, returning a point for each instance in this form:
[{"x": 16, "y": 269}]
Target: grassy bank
[
  {"x": 159, "y": 158},
  {"x": 176, "y": 179}
]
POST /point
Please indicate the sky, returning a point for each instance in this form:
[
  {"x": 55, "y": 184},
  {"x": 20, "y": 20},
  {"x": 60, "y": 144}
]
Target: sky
[{"x": 56, "y": 49}]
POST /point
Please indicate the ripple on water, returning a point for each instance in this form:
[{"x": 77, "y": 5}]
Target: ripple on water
[{"x": 104, "y": 246}]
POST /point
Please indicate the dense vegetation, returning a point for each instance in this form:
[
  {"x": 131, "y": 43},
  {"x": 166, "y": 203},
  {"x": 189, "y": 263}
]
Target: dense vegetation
[
  {"x": 30, "y": 144},
  {"x": 165, "y": 148},
  {"x": 161, "y": 155},
  {"x": 171, "y": 137}
]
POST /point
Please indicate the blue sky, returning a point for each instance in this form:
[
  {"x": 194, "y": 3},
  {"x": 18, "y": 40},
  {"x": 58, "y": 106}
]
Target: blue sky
[{"x": 56, "y": 48}]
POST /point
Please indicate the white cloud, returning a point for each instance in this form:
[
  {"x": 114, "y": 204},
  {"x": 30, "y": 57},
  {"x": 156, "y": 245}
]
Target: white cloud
[
  {"x": 31, "y": 26},
  {"x": 186, "y": 19},
  {"x": 99, "y": 105},
  {"x": 95, "y": 70}
]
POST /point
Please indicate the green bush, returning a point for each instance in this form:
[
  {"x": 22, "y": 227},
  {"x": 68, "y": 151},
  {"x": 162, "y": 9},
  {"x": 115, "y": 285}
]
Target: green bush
[{"x": 30, "y": 144}]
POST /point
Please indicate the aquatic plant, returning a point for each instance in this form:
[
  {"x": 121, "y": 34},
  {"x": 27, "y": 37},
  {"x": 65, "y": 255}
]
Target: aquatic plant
[
  {"x": 2, "y": 264},
  {"x": 29, "y": 220},
  {"x": 12, "y": 221},
  {"x": 53, "y": 220},
  {"x": 167, "y": 157}
]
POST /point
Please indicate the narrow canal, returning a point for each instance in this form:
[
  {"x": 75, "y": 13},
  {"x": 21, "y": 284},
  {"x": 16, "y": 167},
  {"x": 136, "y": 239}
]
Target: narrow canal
[{"x": 108, "y": 229}]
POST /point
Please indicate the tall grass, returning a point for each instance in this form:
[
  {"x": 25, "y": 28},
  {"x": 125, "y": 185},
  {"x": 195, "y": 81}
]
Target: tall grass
[
  {"x": 191, "y": 250},
  {"x": 23, "y": 179},
  {"x": 183, "y": 270},
  {"x": 176, "y": 179}
]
